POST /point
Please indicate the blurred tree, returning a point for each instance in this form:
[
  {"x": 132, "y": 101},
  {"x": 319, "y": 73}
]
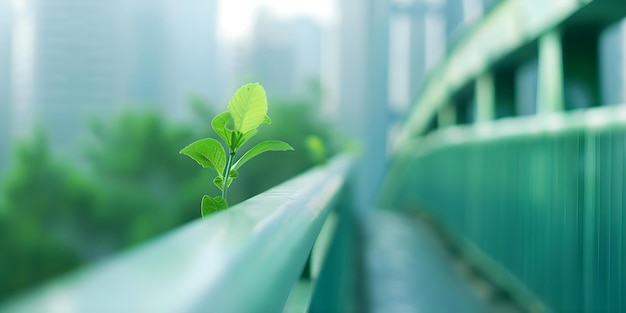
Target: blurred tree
[
  {"x": 41, "y": 229},
  {"x": 145, "y": 186}
]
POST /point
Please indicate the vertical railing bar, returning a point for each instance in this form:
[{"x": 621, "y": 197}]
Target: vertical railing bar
[
  {"x": 550, "y": 89},
  {"x": 588, "y": 226},
  {"x": 485, "y": 97}
]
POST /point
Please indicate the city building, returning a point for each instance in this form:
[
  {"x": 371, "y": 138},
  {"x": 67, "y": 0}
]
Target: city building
[
  {"x": 65, "y": 60},
  {"x": 75, "y": 59},
  {"x": 5, "y": 79},
  {"x": 285, "y": 55}
]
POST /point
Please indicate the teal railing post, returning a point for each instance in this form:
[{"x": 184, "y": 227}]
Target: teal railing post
[
  {"x": 485, "y": 98},
  {"x": 446, "y": 116},
  {"x": 550, "y": 89}
]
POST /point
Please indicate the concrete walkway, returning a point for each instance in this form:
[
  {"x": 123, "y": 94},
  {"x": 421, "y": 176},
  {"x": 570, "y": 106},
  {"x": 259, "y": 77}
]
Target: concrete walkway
[{"x": 409, "y": 271}]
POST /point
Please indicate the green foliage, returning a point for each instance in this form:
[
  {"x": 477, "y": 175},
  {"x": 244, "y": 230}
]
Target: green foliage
[
  {"x": 317, "y": 149},
  {"x": 59, "y": 214},
  {"x": 127, "y": 185},
  {"x": 209, "y": 153},
  {"x": 247, "y": 110},
  {"x": 42, "y": 196},
  {"x": 293, "y": 122},
  {"x": 210, "y": 205},
  {"x": 248, "y": 107},
  {"x": 269, "y": 145}
]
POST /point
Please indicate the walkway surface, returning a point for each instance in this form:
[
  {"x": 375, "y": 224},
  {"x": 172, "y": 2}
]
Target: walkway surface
[{"x": 410, "y": 271}]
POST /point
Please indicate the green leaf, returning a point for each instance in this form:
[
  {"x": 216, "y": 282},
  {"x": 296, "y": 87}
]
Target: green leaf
[
  {"x": 267, "y": 120},
  {"x": 269, "y": 145},
  {"x": 219, "y": 126},
  {"x": 231, "y": 176},
  {"x": 210, "y": 205},
  {"x": 248, "y": 107},
  {"x": 218, "y": 181},
  {"x": 245, "y": 137},
  {"x": 207, "y": 152}
]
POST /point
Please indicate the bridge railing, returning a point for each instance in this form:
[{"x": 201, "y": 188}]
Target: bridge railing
[
  {"x": 541, "y": 198},
  {"x": 248, "y": 258},
  {"x": 538, "y": 197}
]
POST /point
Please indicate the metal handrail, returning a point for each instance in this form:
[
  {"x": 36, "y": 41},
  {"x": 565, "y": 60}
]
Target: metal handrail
[
  {"x": 540, "y": 198},
  {"x": 589, "y": 119},
  {"x": 244, "y": 259}
]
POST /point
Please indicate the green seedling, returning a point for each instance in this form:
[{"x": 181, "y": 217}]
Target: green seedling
[{"x": 247, "y": 110}]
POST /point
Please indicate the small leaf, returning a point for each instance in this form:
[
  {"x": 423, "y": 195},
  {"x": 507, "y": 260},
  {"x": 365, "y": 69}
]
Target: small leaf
[
  {"x": 269, "y": 145},
  {"x": 245, "y": 137},
  {"x": 219, "y": 126},
  {"x": 231, "y": 176},
  {"x": 218, "y": 182},
  {"x": 207, "y": 152},
  {"x": 222, "y": 204},
  {"x": 267, "y": 120},
  {"x": 210, "y": 205},
  {"x": 248, "y": 107}
]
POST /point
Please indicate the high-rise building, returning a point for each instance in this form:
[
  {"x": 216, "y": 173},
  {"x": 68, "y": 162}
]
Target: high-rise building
[
  {"x": 271, "y": 58},
  {"x": 65, "y": 66},
  {"x": 192, "y": 45},
  {"x": 6, "y": 11},
  {"x": 78, "y": 58},
  {"x": 306, "y": 41},
  {"x": 612, "y": 51},
  {"x": 285, "y": 56}
]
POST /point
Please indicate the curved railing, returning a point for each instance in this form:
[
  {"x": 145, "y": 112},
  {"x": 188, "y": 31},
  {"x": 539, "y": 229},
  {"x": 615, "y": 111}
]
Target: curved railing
[
  {"x": 538, "y": 198},
  {"x": 541, "y": 199},
  {"x": 244, "y": 259}
]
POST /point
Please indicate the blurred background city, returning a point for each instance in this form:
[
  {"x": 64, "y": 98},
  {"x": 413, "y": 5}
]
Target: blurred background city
[{"x": 98, "y": 97}]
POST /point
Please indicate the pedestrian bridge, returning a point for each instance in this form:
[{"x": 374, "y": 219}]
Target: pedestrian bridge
[{"x": 483, "y": 208}]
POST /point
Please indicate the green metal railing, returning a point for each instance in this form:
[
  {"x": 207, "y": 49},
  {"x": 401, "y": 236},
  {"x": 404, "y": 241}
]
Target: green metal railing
[
  {"x": 248, "y": 258},
  {"x": 538, "y": 199},
  {"x": 513, "y": 32},
  {"x": 543, "y": 197}
]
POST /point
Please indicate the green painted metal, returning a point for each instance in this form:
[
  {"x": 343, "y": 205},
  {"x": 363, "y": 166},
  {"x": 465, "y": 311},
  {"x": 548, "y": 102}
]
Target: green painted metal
[
  {"x": 485, "y": 98},
  {"x": 510, "y": 27},
  {"x": 550, "y": 73},
  {"x": 299, "y": 298},
  {"x": 339, "y": 287},
  {"x": 244, "y": 259},
  {"x": 542, "y": 197}
]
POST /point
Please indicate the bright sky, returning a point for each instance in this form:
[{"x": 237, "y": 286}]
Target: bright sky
[{"x": 237, "y": 16}]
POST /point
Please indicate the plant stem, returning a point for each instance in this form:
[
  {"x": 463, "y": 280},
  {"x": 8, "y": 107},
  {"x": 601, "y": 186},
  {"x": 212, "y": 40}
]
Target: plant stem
[{"x": 226, "y": 174}]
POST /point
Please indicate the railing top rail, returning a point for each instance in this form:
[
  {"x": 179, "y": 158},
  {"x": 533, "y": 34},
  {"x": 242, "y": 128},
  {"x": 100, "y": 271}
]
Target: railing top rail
[
  {"x": 244, "y": 259},
  {"x": 590, "y": 120}
]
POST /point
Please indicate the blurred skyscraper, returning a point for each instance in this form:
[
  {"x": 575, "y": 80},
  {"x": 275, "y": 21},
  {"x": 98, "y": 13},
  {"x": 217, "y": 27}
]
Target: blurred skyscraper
[
  {"x": 5, "y": 77},
  {"x": 613, "y": 64},
  {"x": 65, "y": 65},
  {"x": 194, "y": 58},
  {"x": 306, "y": 38},
  {"x": 76, "y": 58},
  {"x": 285, "y": 55}
]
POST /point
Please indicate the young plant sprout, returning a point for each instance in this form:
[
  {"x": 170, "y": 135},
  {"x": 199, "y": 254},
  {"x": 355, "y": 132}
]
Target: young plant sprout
[{"x": 247, "y": 110}]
